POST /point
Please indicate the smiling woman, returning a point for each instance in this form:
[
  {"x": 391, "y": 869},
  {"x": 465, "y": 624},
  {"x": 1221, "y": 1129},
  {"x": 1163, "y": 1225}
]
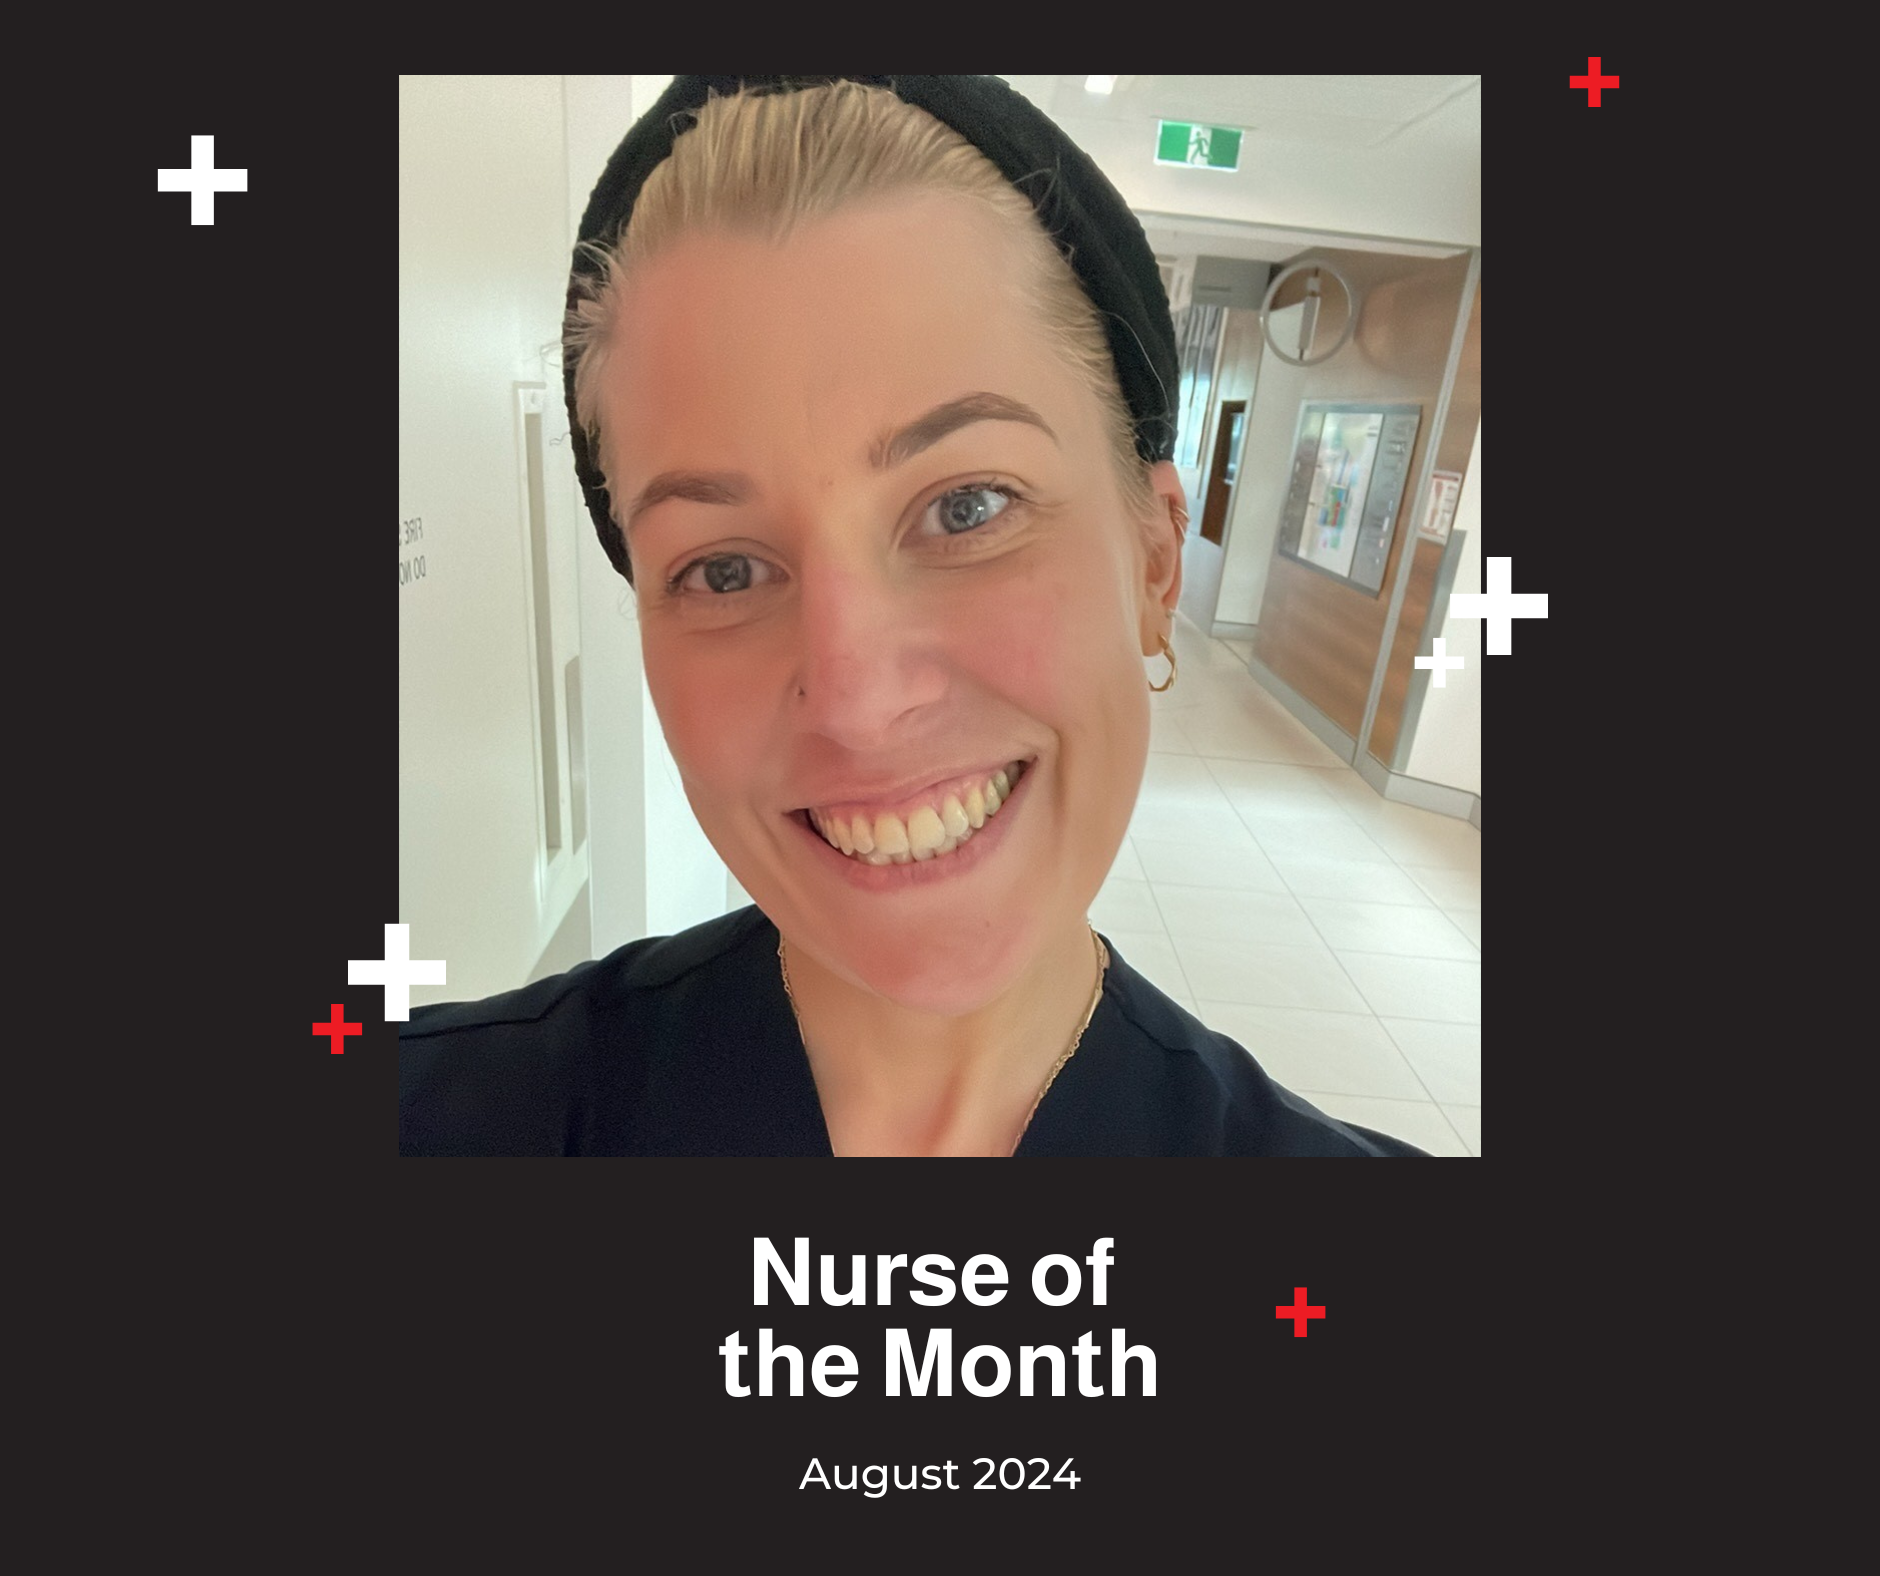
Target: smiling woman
[{"x": 868, "y": 386}]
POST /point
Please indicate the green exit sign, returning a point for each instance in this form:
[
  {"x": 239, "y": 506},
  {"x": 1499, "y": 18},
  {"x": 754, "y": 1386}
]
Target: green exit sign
[{"x": 1200, "y": 147}]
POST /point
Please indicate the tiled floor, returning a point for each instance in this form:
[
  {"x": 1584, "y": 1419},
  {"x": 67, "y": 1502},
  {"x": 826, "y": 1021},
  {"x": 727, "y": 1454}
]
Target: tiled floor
[{"x": 1268, "y": 889}]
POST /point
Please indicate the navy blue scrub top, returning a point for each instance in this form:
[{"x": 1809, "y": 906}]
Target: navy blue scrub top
[{"x": 686, "y": 1045}]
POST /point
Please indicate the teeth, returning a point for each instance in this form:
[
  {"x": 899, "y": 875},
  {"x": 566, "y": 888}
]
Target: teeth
[
  {"x": 928, "y": 832},
  {"x": 925, "y": 834}
]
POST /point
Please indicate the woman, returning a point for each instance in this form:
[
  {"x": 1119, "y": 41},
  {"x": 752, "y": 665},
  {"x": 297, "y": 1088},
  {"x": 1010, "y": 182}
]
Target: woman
[{"x": 891, "y": 483}]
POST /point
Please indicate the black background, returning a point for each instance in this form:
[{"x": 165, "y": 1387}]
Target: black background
[{"x": 519, "y": 1360}]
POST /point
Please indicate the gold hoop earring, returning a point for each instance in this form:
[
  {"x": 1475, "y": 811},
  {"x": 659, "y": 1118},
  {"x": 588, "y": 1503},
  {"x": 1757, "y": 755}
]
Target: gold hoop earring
[{"x": 1169, "y": 682}]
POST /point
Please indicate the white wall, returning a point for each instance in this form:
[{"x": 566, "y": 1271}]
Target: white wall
[
  {"x": 652, "y": 870},
  {"x": 598, "y": 109},
  {"x": 1266, "y": 458},
  {"x": 1406, "y": 188},
  {"x": 1448, "y": 744},
  {"x": 482, "y": 210},
  {"x": 494, "y": 174}
]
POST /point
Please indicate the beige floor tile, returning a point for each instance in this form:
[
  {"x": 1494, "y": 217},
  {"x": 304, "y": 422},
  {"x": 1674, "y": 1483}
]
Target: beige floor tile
[
  {"x": 1126, "y": 905},
  {"x": 1283, "y": 803},
  {"x": 1422, "y": 837},
  {"x": 1467, "y": 1120},
  {"x": 1447, "y": 1057},
  {"x": 1414, "y": 1121},
  {"x": 1348, "y": 786},
  {"x": 1165, "y": 729},
  {"x": 1469, "y": 922},
  {"x": 1177, "y": 780},
  {"x": 1198, "y": 864},
  {"x": 1267, "y": 975},
  {"x": 1447, "y": 888},
  {"x": 1240, "y": 740},
  {"x": 1314, "y": 1053},
  {"x": 1213, "y": 826},
  {"x": 1275, "y": 779},
  {"x": 1355, "y": 880},
  {"x": 1413, "y": 987},
  {"x": 1395, "y": 928},
  {"x": 1312, "y": 838},
  {"x": 1222, "y": 914}
]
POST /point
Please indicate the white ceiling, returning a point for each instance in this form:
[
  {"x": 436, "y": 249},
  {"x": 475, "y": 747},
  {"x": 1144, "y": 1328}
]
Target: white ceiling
[{"x": 1390, "y": 163}]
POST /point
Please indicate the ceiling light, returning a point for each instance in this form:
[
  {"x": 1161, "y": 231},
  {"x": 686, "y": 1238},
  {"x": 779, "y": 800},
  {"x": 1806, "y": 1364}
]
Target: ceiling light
[{"x": 1099, "y": 84}]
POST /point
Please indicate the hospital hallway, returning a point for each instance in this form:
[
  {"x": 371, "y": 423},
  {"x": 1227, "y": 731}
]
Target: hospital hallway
[
  {"x": 1277, "y": 896},
  {"x": 1302, "y": 872}
]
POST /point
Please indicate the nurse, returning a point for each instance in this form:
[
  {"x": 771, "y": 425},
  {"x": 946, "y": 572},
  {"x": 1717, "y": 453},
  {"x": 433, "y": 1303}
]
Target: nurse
[{"x": 870, "y": 384}]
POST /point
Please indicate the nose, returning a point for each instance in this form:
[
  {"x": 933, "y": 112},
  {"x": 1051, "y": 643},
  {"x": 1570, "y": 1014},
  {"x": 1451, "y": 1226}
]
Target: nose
[{"x": 867, "y": 656}]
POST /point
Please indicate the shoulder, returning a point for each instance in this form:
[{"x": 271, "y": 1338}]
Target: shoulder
[
  {"x": 608, "y": 983},
  {"x": 1226, "y": 1101},
  {"x": 522, "y": 1072}
]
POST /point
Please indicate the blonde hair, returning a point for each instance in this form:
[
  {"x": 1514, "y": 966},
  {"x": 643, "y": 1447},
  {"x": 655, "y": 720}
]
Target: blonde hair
[{"x": 769, "y": 161}]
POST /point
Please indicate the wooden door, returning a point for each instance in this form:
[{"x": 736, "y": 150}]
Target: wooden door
[{"x": 1227, "y": 433}]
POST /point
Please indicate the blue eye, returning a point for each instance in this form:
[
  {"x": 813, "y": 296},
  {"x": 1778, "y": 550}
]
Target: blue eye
[
  {"x": 721, "y": 574},
  {"x": 966, "y": 509}
]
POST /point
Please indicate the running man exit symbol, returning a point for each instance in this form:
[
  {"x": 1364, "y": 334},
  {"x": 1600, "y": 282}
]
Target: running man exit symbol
[{"x": 1202, "y": 147}]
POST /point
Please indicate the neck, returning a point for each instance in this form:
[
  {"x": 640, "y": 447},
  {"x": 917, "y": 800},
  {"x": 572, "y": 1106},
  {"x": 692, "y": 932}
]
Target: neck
[{"x": 896, "y": 1081}]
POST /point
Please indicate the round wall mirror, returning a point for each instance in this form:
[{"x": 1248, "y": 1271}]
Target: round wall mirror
[{"x": 1327, "y": 313}]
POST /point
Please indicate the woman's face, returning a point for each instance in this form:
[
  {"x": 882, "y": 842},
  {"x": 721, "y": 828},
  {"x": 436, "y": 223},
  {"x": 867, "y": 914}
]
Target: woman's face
[{"x": 881, "y": 554}]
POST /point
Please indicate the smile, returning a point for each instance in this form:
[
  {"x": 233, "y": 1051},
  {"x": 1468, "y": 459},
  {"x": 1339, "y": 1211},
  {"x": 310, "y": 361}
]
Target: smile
[{"x": 942, "y": 819}]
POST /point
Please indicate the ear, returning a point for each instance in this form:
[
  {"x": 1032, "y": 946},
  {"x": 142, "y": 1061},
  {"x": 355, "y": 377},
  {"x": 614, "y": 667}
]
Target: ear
[{"x": 1162, "y": 576}]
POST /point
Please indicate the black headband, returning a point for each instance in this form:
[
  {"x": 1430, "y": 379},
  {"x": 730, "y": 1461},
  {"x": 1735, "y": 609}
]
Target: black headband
[{"x": 1081, "y": 211}]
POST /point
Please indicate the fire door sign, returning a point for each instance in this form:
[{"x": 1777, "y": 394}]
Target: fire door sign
[{"x": 1199, "y": 147}]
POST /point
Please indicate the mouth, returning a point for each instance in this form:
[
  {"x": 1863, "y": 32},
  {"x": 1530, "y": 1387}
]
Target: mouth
[{"x": 932, "y": 827}]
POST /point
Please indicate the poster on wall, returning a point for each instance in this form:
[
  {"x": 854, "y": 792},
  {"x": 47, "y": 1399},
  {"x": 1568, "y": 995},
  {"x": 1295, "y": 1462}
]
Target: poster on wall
[
  {"x": 1341, "y": 477},
  {"x": 1445, "y": 489},
  {"x": 1350, "y": 462}
]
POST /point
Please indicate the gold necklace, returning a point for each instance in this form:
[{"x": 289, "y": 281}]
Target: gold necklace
[{"x": 1096, "y": 995}]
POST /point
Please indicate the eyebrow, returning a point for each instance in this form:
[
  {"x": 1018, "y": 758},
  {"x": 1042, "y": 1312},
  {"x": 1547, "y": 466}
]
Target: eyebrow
[
  {"x": 694, "y": 486},
  {"x": 886, "y": 452},
  {"x": 925, "y": 431}
]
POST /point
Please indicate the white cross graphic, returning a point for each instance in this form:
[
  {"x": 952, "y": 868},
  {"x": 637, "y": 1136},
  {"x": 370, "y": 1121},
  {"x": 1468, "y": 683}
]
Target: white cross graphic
[
  {"x": 1442, "y": 662},
  {"x": 397, "y": 971},
  {"x": 1499, "y": 606},
  {"x": 202, "y": 180}
]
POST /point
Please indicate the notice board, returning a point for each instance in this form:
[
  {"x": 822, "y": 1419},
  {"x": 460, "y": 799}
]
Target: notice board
[{"x": 1351, "y": 462}]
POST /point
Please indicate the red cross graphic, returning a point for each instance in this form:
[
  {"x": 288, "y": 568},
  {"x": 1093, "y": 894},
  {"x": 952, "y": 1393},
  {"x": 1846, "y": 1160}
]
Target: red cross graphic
[
  {"x": 338, "y": 1029},
  {"x": 1592, "y": 82},
  {"x": 1300, "y": 1311}
]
